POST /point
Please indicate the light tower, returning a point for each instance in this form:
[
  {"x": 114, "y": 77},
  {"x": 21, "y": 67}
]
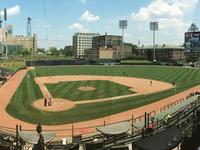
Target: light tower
[
  {"x": 0, "y": 22},
  {"x": 5, "y": 32},
  {"x": 123, "y": 25},
  {"x": 154, "y": 27},
  {"x": 1, "y": 40},
  {"x": 29, "y": 27}
]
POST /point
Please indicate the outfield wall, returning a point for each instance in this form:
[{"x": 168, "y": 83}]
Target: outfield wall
[{"x": 54, "y": 62}]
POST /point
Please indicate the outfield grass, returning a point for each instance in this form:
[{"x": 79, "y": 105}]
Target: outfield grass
[
  {"x": 28, "y": 92},
  {"x": 12, "y": 65},
  {"x": 21, "y": 101},
  {"x": 139, "y": 62},
  {"x": 103, "y": 89}
]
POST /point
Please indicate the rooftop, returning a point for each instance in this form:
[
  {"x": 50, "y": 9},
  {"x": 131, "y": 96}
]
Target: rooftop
[
  {"x": 86, "y": 33},
  {"x": 162, "y": 47}
]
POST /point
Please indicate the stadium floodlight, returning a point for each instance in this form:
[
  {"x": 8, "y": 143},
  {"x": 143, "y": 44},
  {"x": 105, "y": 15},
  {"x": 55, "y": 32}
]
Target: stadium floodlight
[
  {"x": 154, "y": 27},
  {"x": 123, "y": 24},
  {"x": 5, "y": 14},
  {"x": 5, "y": 32}
]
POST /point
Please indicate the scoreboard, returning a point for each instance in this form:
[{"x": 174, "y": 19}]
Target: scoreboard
[{"x": 192, "y": 39}]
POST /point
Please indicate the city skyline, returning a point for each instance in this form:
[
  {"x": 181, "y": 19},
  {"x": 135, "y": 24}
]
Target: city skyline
[{"x": 55, "y": 22}]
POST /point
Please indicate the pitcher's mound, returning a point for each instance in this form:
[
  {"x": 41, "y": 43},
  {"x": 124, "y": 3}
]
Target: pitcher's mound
[
  {"x": 58, "y": 104},
  {"x": 86, "y": 88}
]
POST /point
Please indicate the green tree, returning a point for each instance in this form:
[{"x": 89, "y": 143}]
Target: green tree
[
  {"x": 67, "y": 51},
  {"x": 54, "y": 51},
  {"x": 41, "y": 50},
  {"x": 26, "y": 52}
]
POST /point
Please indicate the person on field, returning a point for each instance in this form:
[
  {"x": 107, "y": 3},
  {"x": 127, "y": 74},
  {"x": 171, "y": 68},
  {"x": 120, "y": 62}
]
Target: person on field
[
  {"x": 45, "y": 101},
  {"x": 173, "y": 83},
  {"x": 49, "y": 101},
  {"x": 150, "y": 82}
]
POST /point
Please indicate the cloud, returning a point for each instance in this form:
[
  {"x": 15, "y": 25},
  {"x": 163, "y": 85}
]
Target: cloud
[
  {"x": 171, "y": 24},
  {"x": 60, "y": 35},
  {"x": 172, "y": 15},
  {"x": 87, "y": 16},
  {"x": 165, "y": 9},
  {"x": 128, "y": 35},
  {"x": 79, "y": 27},
  {"x": 12, "y": 11},
  {"x": 161, "y": 9},
  {"x": 83, "y": 1},
  {"x": 43, "y": 26},
  {"x": 108, "y": 26}
]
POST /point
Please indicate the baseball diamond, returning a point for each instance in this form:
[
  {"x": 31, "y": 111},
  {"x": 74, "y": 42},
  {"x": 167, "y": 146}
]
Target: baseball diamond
[
  {"x": 99, "y": 75},
  {"x": 121, "y": 91}
]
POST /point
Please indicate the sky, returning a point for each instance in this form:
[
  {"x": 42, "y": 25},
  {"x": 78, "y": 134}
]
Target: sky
[{"x": 55, "y": 21}]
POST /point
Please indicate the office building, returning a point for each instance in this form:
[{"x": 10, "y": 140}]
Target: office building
[
  {"x": 15, "y": 42},
  {"x": 1, "y": 48},
  {"x": 9, "y": 29},
  {"x": 28, "y": 43},
  {"x": 108, "y": 47},
  {"x": 114, "y": 52},
  {"x": 107, "y": 41},
  {"x": 81, "y": 42},
  {"x": 1, "y": 35},
  {"x": 163, "y": 53}
]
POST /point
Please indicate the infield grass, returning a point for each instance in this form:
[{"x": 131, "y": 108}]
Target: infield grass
[{"x": 103, "y": 89}]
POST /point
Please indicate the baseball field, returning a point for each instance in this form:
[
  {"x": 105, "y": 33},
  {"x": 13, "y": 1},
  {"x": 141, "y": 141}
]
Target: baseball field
[{"x": 95, "y": 91}]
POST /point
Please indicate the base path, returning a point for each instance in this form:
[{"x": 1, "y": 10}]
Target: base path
[{"x": 8, "y": 89}]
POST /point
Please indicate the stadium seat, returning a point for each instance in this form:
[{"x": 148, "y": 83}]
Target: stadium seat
[
  {"x": 93, "y": 146},
  {"x": 5, "y": 147}
]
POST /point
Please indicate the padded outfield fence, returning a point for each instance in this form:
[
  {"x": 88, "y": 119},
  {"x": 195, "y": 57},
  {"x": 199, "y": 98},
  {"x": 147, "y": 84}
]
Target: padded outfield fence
[{"x": 54, "y": 62}]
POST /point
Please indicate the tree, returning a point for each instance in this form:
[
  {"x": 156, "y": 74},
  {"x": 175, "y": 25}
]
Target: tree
[
  {"x": 41, "y": 50},
  {"x": 67, "y": 51},
  {"x": 54, "y": 51},
  {"x": 130, "y": 44},
  {"x": 26, "y": 52}
]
